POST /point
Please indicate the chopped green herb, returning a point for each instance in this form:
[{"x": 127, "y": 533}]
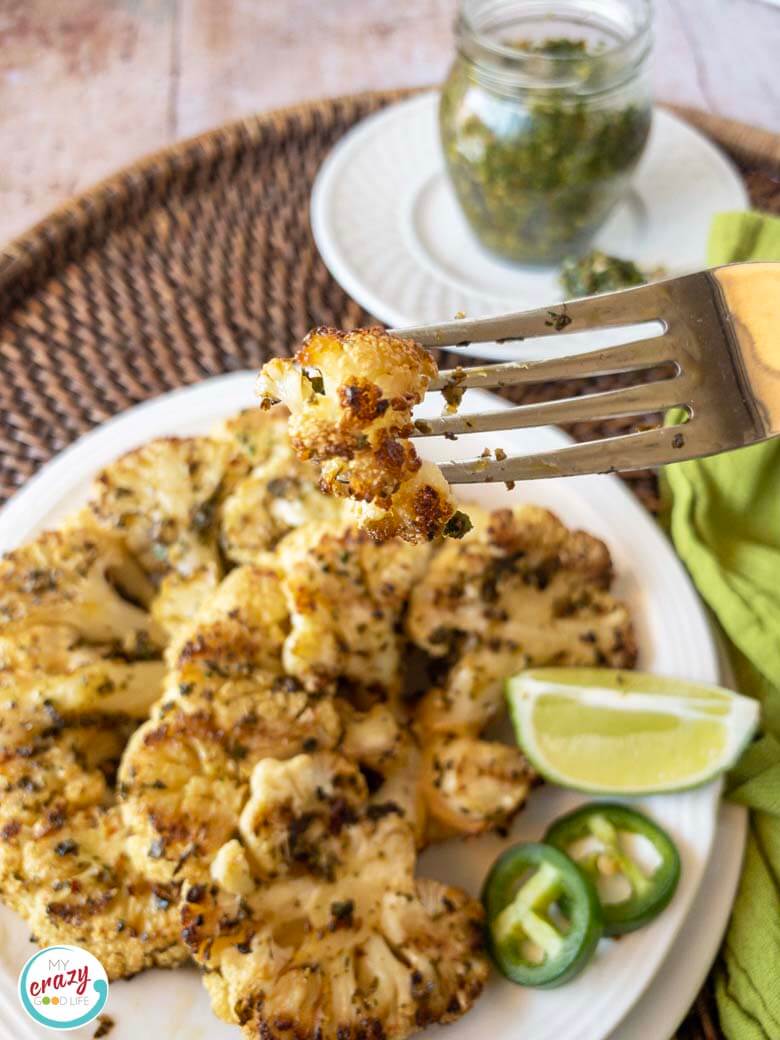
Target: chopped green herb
[
  {"x": 596, "y": 272},
  {"x": 457, "y": 525}
]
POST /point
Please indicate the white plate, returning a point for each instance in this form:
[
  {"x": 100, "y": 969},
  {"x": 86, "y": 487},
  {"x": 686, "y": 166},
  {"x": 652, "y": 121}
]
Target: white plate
[
  {"x": 388, "y": 226},
  {"x": 674, "y": 638}
]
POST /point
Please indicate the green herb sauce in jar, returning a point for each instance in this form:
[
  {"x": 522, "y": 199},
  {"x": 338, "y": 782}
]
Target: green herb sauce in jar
[{"x": 542, "y": 132}]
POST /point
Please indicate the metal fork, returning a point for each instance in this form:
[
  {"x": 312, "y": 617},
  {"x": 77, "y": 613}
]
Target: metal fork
[{"x": 721, "y": 333}]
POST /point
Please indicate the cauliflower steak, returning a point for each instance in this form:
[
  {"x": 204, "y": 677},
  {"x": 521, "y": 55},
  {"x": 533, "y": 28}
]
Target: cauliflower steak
[{"x": 314, "y": 925}]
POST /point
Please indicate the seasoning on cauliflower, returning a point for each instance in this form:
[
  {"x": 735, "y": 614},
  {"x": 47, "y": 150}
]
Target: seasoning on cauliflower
[
  {"x": 346, "y": 596},
  {"x": 77, "y": 674},
  {"x": 63, "y": 864},
  {"x": 296, "y": 812},
  {"x": 325, "y": 608},
  {"x": 337, "y": 939},
  {"x": 350, "y": 396},
  {"x": 389, "y": 755},
  {"x": 241, "y": 627},
  {"x": 162, "y": 498},
  {"x": 520, "y": 590},
  {"x": 80, "y": 584},
  {"x": 271, "y": 490},
  {"x": 185, "y": 772}
]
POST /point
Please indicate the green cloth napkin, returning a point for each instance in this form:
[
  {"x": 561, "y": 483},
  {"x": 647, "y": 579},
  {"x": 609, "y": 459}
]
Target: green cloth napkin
[{"x": 724, "y": 518}]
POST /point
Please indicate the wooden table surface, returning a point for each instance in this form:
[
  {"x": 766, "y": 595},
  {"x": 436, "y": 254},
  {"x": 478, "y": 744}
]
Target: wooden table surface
[{"x": 89, "y": 85}]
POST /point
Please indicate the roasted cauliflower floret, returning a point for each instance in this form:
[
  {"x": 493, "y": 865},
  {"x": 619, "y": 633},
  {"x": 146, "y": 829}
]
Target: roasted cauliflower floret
[
  {"x": 185, "y": 773},
  {"x": 63, "y": 864},
  {"x": 241, "y": 627},
  {"x": 471, "y": 785},
  {"x": 273, "y": 500},
  {"x": 346, "y": 596},
  {"x": 325, "y": 609},
  {"x": 389, "y": 755},
  {"x": 350, "y": 396},
  {"x": 74, "y": 682},
  {"x": 163, "y": 499},
  {"x": 296, "y": 812},
  {"x": 520, "y": 590},
  {"x": 75, "y": 583},
  {"x": 347, "y": 946},
  {"x": 272, "y": 491}
]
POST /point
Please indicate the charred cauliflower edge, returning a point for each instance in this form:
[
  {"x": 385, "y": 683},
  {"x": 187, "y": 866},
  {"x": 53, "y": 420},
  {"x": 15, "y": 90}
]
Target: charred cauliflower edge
[{"x": 350, "y": 397}]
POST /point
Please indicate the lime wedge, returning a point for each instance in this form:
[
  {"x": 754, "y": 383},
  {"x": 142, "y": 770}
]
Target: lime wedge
[{"x": 612, "y": 732}]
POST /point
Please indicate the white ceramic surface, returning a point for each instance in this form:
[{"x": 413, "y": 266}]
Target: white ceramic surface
[
  {"x": 674, "y": 637},
  {"x": 388, "y": 226}
]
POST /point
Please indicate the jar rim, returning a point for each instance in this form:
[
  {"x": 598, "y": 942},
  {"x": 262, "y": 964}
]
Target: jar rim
[{"x": 552, "y": 70}]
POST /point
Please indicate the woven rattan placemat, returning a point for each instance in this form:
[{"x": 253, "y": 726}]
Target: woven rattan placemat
[{"x": 199, "y": 260}]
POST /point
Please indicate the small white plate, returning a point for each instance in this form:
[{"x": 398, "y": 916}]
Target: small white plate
[
  {"x": 674, "y": 638},
  {"x": 389, "y": 228}
]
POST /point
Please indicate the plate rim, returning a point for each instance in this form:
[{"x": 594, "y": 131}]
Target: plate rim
[{"x": 30, "y": 507}]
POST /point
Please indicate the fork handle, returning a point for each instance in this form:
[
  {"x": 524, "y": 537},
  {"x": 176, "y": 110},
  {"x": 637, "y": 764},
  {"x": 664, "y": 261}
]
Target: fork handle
[{"x": 751, "y": 292}]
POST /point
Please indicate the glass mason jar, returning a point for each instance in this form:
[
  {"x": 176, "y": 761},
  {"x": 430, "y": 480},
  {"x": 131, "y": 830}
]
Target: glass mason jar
[{"x": 543, "y": 118}]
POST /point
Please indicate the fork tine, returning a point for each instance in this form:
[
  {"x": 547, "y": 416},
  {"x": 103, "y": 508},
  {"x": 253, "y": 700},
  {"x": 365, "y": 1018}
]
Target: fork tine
[
  {"x": 611, "y": 404},
  {"x": 626, "y": 357},
  {"x": 642, "y": 450},
  {"x": 607, "y": 310}
]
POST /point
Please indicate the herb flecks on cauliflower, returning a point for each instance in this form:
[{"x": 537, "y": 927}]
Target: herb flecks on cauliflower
[
  {"x": 521, "y": 590},
  {"x": 337, "y": 939},
  {"x": 63, "y": 860},
  {"x": 185, "y": 773},
  {"x": 350, "y": 396}
]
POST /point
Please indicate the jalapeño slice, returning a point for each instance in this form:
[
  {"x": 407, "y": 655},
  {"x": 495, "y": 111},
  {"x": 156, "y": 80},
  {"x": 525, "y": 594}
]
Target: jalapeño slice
[
  {"x": 543, "y": 916},
  {"x": 603, "y": 831}
]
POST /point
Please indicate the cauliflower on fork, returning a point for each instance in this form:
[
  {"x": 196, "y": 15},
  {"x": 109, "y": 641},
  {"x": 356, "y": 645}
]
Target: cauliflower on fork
[
  {"x": 350, "y": 396},
  {"x": 314, "y": 925}
]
